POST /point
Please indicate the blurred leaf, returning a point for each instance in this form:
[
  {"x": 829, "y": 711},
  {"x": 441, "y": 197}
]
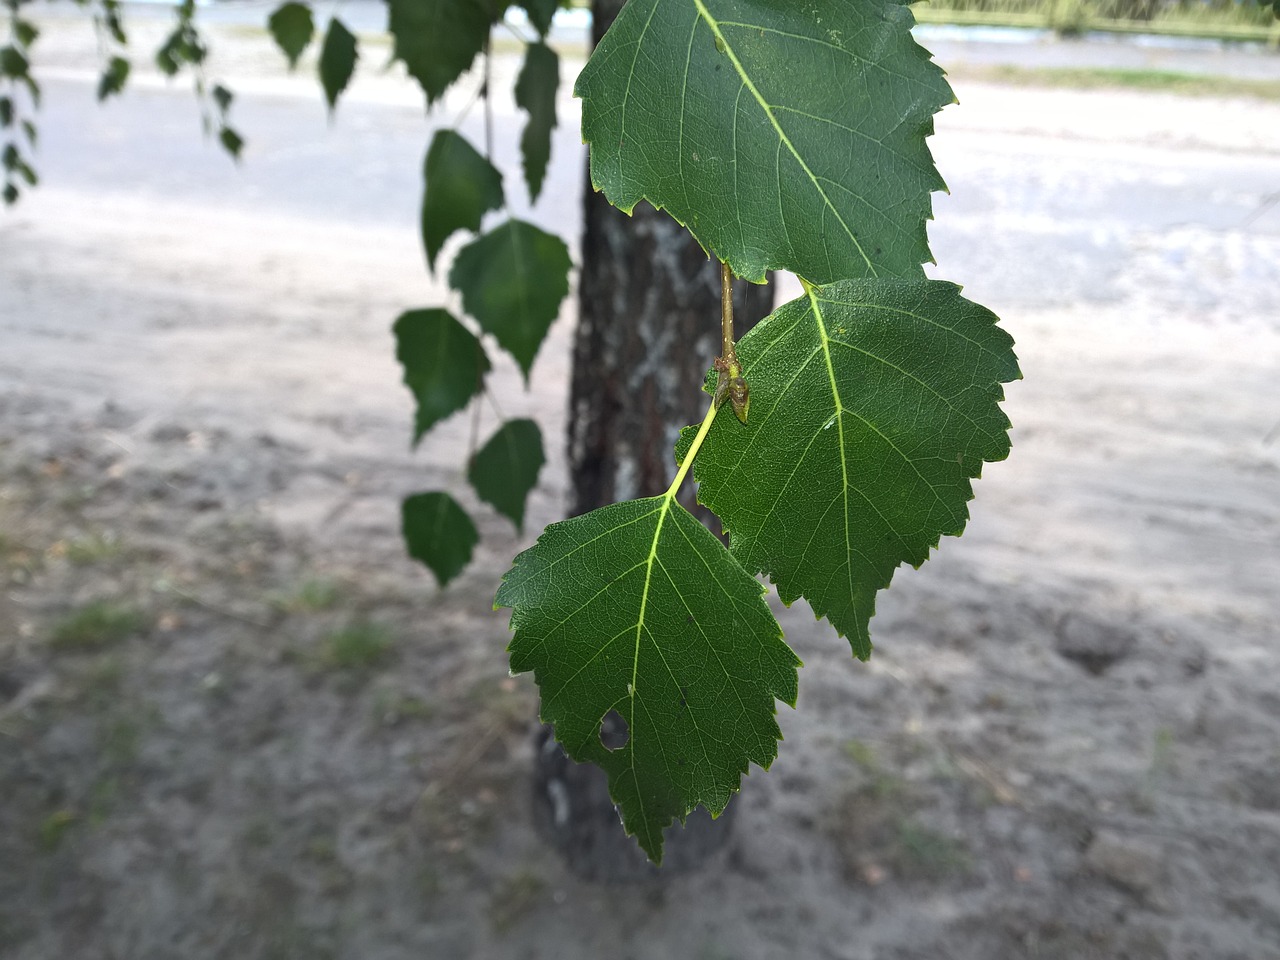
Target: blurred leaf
[
  {"x": 168, "y": 57},
  {"x": 293, "y": 28},
  {"x": 231, "y": 141},
  {"x": 113, "y": 78},
  {"x": 9, "y": 157},
  {"x": 461, "y": 186},
  {"x": 222, "y": 97},
  {"x": 10, "y": 194},
  {"x": 512, "y": 280},
  {"x": 540, "y": 13},
  {"x": 29, "y": 128},
  {"x": 13, "y": 63},
  {"x": 536, "y": 93},
  {"x": 444, "y": 364},
  {"x": 111, "y": 16},
  {"x": 337, "y": 60},
  {"x": 6, "y": 112},
  {"x": 506, "y": 468},
  {"x": 27, "y": 173},
  {"x": 438, "y": 39},
  {"x": 25, "y": 32},
  {"x": 438, "y": 533}
]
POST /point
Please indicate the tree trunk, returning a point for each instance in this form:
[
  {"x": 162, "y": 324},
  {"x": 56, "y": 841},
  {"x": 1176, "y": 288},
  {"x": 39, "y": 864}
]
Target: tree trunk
[{"x": 648, "y": 330}]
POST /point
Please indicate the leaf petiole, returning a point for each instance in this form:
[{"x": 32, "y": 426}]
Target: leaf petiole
[
  {"x": 731, "y": 382},
  {"x": 687, "y": 462}
]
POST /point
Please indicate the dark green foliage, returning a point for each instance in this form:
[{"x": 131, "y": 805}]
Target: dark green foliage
[
  {"x": 337, "y": 60},
  {"x": 536, "y": 93},
  {"x": 113, "y": 78},
  {"x": 873, "y": 405},
  {"x": 292, "y": 28},
  {"x": 636, "y": 609},
  {"x": 444, "y": 364},
  {"x": 783, "y": 135},
  {"x": 438, "y": 533},
  {"x": 512, "y": 280},
  {"x": 438, "y": 40},
  {"x": 506, "y": 468},
  {"x": 460, "y": 186},
  {"x": 540, "y": 13},
  {"x": 231, "y": 141}
]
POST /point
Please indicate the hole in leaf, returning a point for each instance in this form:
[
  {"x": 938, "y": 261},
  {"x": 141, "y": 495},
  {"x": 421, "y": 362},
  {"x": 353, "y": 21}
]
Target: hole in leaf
[{"x": 613, "y": 731}]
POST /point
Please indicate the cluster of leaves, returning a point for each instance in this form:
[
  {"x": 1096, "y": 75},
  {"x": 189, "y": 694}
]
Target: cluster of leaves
[
  {"x": 783, "y": 136},
  {"x": 185, "y": 48},
  {"x": 510, "y": 279},
  {"x": 17, "y": 88},
  {"x": 112, "y": 44},
  {"x": 293, "y": 26}
]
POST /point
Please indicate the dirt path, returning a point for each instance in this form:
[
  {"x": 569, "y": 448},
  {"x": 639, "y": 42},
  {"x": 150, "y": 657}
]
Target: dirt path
[{"x": 236, "y": 722}]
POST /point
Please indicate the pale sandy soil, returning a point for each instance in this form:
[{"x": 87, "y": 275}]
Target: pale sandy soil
[{"x": 201, "y": 422}]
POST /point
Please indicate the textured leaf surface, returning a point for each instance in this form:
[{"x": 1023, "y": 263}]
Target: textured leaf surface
[
  {"x": 337, "y": 60},
  {"x": 536, "y": 94},
  {"x": 438, "y": 39},
  {"x": 637, "y": 609},
  {"x": 505, "y": 469},
  {"x": 460, "y": 186},
  {"x": 873, "y": 404},
  {"x": 512, "y": 281},
  {"x": 444, "y": 364},
  {"x": 292, "y": 28},
  {"x": 783, "y": 134},
  {"x": 438, "y": 533}
]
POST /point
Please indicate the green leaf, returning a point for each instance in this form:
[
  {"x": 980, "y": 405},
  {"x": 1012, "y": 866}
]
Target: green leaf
[
  {"x": 460, "y": 186},
  {"x": 873, "y": 404},
  {"x": 506, "y": 468},
  {"x": 292, "y": 27},
  {"x": 444, "y": 364},
  {"x": 536, "y": 94},
  {"x": 231, "y": 141},
  {"x": 222, "y": 97},
  {"x": 512, "y": 280},
  {"x": 33, "y": 88},
  {"x": 636, "y": 609},
  {"x": 25, "y": 32},
  {"x": 113, "y": 78},
  {"x": 783, "y": 135},
  {"x": 438, "y": 39},
  {"x": 13, "y": 63},
  {"x": 540, "y": 13},
  {"x": 29, "y": 129},
  {"x": 438, "y": 533},
  {"x": 10, "y": 158},
  {"x": 337, "y": 60},
  {"x": 168, "y": 57},
  {"x": 10, "y": 194},
  {"x": 115, "y": 26},
  {"x": 6, "y": 112}
]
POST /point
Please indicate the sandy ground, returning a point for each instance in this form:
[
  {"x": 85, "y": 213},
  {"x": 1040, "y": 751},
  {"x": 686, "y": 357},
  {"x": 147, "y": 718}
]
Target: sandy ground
[{"x": 1066, "y": 744}]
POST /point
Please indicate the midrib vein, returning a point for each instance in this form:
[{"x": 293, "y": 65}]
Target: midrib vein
[{"x": 782, "y": 135}]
